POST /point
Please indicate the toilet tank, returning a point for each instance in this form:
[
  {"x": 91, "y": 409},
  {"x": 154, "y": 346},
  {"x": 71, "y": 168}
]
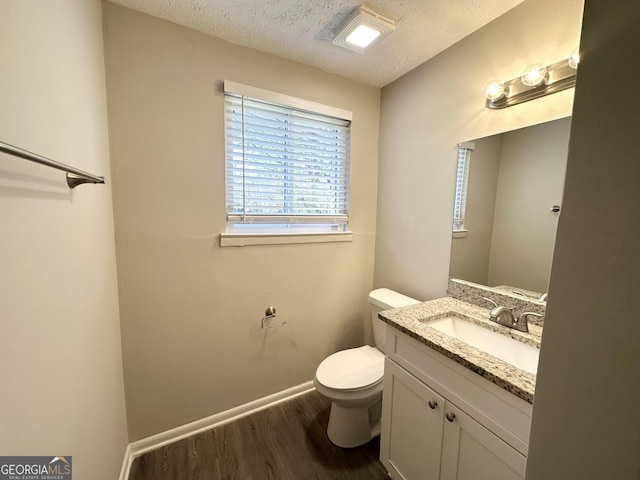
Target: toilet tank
[{"x": 384, "y": 299}]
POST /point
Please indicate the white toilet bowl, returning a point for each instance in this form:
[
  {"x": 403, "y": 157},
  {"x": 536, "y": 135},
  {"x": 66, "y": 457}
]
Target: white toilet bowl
[{"x": 352, "y": 380}]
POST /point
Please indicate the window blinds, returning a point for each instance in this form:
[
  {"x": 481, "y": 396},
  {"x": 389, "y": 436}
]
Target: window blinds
[
  {"x": 284, "y": 165},
  {"x": 462, "y": 180}
]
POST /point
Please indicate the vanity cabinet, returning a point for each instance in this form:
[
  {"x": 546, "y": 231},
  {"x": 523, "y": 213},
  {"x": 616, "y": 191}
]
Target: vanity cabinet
[
  {"x": 472, "y": 452},
  {"x": 439, "y": 423},
  {"x": 412, "y": 426}
]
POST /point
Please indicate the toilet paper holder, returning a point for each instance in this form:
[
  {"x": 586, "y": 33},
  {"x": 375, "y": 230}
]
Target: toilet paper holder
[{"x": 270, "y": 313}]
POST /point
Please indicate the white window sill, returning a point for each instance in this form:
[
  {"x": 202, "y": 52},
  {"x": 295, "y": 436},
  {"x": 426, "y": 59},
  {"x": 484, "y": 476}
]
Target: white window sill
[
  {"x": 249, "y": 239},
  {"x": 460, "y": 233}
]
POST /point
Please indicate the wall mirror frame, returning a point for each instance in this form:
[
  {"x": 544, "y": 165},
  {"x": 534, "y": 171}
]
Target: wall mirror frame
[{"x": 513, "y": 202}]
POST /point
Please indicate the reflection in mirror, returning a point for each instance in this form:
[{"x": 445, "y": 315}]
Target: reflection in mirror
[{"x": 507, "y": 236}]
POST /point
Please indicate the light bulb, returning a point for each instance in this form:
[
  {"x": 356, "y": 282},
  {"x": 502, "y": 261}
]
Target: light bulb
[
  {"x": 533, "y": 75},
  {"x": 574, "y": 59},
  {"x": 494, "y": 90}
]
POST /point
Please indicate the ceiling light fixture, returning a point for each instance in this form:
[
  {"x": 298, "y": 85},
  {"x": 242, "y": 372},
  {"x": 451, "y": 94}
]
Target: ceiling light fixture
[
  {"x": 536, "y": 81},
  {"x": 362, "y": 36},
  {"x": 363, "y": 28}
]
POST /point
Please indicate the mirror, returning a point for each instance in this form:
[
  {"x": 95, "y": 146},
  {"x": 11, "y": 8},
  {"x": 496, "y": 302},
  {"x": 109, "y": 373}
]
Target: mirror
[{"x": 515, "y": 180}]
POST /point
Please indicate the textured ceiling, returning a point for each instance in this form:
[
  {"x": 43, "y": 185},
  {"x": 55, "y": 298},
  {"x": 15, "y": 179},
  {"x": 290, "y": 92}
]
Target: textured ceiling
[{"x": 302, "y": 30}]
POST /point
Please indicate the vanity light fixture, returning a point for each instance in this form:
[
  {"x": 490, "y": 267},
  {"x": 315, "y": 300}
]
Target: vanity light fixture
[
  {"x": 363, "y": 28},
  {"x": 536, "y": 81}
]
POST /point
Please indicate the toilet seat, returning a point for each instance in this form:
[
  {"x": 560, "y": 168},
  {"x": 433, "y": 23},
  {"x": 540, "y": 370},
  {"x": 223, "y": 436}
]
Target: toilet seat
[{"x": 352, "y": 369}]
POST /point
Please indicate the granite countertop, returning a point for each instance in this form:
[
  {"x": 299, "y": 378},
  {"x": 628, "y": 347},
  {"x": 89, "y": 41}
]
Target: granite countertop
[{"x": 414, "y": 320}]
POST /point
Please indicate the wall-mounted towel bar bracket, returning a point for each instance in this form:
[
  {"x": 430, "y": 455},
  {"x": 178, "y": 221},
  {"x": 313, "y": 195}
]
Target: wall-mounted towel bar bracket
[
  {"x": 74, "y": 180},
  {"x": 270, "y": 313},
  {"x": 75, "y": 176}
]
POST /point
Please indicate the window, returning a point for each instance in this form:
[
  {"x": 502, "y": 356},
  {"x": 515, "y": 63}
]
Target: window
[
  {"x": 462, "y": 179},
  {"x": 287, "y": 163}
]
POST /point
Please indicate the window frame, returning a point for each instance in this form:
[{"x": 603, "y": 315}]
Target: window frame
[
  {"x": 288, "y": 228},
  {"x": 462, "y": 185}
]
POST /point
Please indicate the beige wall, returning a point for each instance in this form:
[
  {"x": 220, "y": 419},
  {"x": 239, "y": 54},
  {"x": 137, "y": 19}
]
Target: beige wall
[
  {"x": 532, "y": 169},
  {"x": 426, "y": 113},
  {"x": 190, "y": 309},
  {"x": 586, "y": 420},
  {"x": 60, "y": 357}
]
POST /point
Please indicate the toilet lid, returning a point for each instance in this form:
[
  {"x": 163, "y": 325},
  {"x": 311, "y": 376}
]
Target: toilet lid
[{"x": 352, "y": 369}]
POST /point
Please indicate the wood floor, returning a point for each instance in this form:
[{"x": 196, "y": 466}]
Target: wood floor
[{"x": 284, "y": 442}]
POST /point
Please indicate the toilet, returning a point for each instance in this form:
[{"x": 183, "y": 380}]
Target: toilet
[{"x": 352, "y": 379}]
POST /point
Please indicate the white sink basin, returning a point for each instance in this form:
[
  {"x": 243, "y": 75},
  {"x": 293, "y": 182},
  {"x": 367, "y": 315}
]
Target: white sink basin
[{"x": 518, "y": 354}]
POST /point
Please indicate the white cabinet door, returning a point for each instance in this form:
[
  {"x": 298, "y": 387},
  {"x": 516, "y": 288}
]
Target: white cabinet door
[
  {"x": 471, "y": 452},
  {"x": 412, "y": 424}
]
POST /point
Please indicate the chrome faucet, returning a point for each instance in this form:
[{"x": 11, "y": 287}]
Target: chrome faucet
[
  {"x": 501, "y": 315},
  {"x": 504, "y": 316},
  {"x": 522, "y": 324}
]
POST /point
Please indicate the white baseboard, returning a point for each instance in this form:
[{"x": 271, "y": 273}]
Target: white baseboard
[
  {"x": 167, "y": 437},
  {"x": 126, "y": 464}
]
